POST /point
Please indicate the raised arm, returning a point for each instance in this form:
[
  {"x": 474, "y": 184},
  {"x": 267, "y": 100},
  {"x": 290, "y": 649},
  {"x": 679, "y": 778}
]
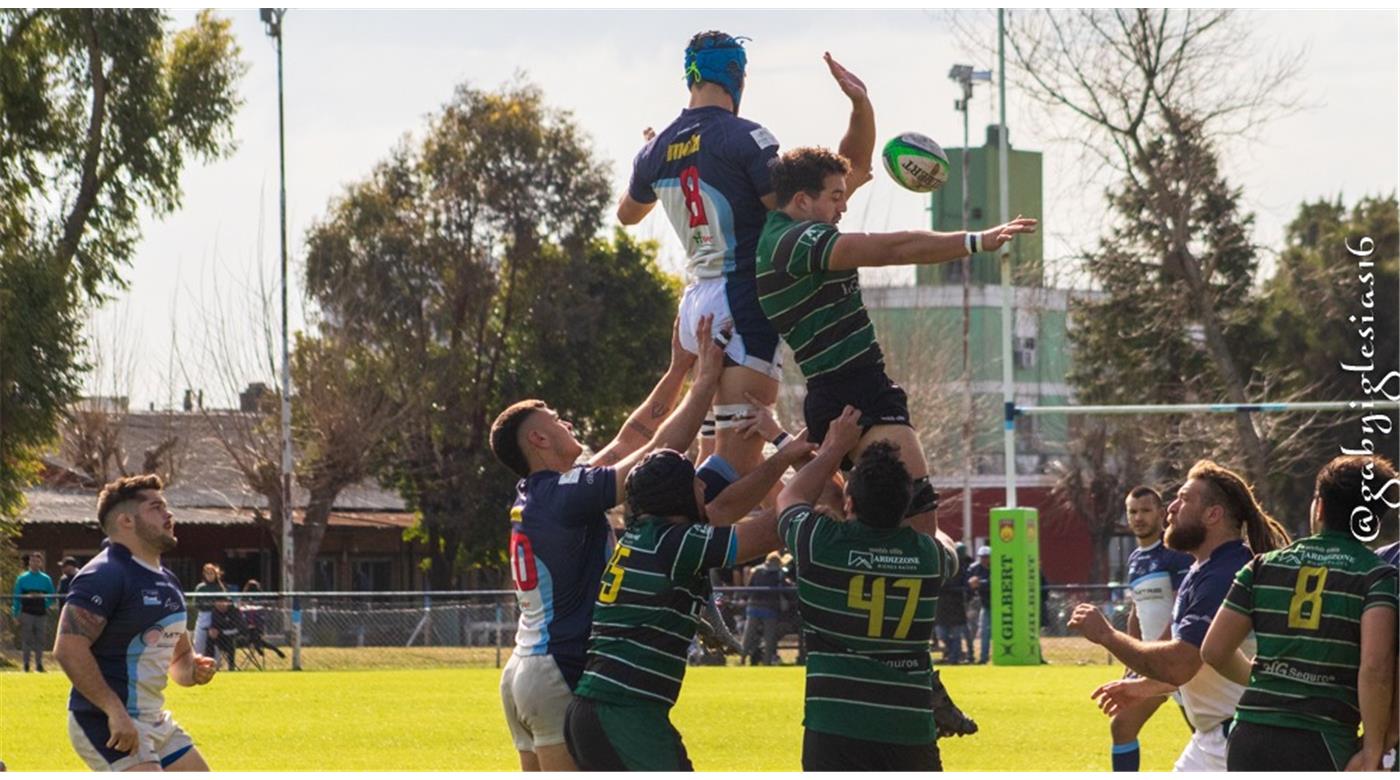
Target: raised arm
[
  {"x": 78, "y": 628},
  {"x": 680, "y": 428},
  {"x": 806, "y": 487},
  {"x": 641, "y": 425},
  {"x": 858, "y": 145},
  {"x": 919, "y": 247},
  {"x": 741, "y": 497}
]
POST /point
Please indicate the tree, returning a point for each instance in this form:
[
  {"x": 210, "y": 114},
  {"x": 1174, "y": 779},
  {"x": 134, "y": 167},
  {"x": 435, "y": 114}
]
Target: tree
[
  {"x": 1177, "y": 320},
  {"x": 1093, "y": 479},
  {"x": 100, "y": 110},
  {"x": 1309, "y": 306},
  {"x": 466, "y": 264}
]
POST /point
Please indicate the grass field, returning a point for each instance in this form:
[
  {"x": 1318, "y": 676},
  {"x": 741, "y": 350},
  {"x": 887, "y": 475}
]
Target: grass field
[{"x": 736, "y": 718}]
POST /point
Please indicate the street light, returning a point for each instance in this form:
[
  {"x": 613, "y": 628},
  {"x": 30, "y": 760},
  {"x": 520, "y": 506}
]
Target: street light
[
  {"x": 272, "y": 18},
  {"x": 966, "y": 76}
]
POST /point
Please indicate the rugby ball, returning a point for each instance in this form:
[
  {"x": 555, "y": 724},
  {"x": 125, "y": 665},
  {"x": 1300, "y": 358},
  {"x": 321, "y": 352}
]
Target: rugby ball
[{"x": 916, "y": 162}]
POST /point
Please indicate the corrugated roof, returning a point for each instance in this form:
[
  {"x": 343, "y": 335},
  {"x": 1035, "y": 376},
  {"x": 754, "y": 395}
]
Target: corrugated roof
[
  {"x": 50, "y": 507},
  {"x": 206, "y": 475}
]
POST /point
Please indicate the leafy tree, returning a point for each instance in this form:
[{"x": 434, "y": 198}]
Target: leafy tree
[
  {"x": 100, "y": 111},
  {"x": 466, "y": 264}
]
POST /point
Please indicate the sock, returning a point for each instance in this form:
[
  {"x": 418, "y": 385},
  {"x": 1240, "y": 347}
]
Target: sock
[{"x": 1126, "y": 757}]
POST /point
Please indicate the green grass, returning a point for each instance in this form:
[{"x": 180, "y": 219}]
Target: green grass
[{"x": 1032, "y": 718}]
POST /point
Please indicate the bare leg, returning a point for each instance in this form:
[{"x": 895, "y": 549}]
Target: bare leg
[
  {"x": 150, "y": 766},
  {"x": 529, "y": 762},
  {"x": 555, "y": 758},
  {"x": 735, "y": 385},
  {"x": 191, "y": 761}
]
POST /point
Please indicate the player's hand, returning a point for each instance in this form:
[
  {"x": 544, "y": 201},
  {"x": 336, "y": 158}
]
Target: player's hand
[
  {"x": 760, "y": 423},
  {"x": 848, "y": 81},
  {"x": 122, "y": 732},
  {"x": 844, "y": 432},
  {"x": 1120, "y": 694},
  {"x": 995, "y": 237},
  {"x": 711, "y": 358},
  {"x": 1364, "y": 762},
  {"x": 204, "y": 669},
  {"x": 797, "y": 448},
  {"x": 1090, "y": 622},
  {"x": 681, "y": 360}
]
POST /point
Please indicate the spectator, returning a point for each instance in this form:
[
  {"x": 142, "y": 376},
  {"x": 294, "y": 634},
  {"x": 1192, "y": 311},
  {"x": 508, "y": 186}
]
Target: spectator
[
  {"x": 226, "y": 624},
  {"x": 950, "y": 621},
  {"x": 764, "y": 610},
  {"x": 964, "y": 565},
  {"x": 979, "y": 579},
  {"x": 69, "y": 567},
  {"x": 213, "y": 582},
  {"x": 31, "y": 609}
]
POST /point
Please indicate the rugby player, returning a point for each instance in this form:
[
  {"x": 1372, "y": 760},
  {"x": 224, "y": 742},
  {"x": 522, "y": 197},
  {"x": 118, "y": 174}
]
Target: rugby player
[
  {"x": 1323, "y": 610},
  {"x": 709, "y": 170},
  {"x": 122, "y": 637},
  {"x": 809, "y": 286},
  {"x": 1214, "y": 513},
  {"x": 648, "y": 608},
  {"x": 867, "y": 589},
  {"x": 1155, "y": 573},
  {"x": 560, "y": 538}
]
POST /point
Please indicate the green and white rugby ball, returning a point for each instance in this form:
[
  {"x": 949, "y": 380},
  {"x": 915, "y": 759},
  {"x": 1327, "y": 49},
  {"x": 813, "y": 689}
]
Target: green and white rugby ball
[{"x": 916, "y": 162}]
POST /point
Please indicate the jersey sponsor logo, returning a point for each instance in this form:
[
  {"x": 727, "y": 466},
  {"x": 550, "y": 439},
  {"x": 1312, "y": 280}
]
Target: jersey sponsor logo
[
  {"x": 150, "y": 598},
  {"x": 571, "y": 476},
  {"x": 1280, "y": 668},
  {"x": 810, "y": 235},
  {"x": 861, "y": 558},
  {"x": 869, "y": 559},
  {"x": 763, "y": 138},
  {"x": 683, "y": 149}
]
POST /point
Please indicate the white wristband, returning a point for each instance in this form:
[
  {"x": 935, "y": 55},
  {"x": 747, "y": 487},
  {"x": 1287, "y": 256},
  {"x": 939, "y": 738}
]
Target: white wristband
[
  {"x": 781, "y": 439},
  {"x": 973, "y": 242}
]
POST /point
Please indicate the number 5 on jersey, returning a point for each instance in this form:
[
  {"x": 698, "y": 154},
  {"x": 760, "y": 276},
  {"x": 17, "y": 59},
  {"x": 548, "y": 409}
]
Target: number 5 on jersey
[{"x": 611, "y": 587}]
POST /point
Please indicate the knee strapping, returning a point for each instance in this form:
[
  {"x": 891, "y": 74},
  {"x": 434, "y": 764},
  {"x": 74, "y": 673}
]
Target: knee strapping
[
  {"x": 731, "y": 415},
  {"x": 925, "y": 498}
]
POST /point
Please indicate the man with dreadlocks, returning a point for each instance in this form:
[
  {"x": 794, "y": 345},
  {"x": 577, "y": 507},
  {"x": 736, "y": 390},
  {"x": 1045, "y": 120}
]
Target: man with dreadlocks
[
  {"x": 648, "y": 608},
  {"x": 1213, "y": 516}
]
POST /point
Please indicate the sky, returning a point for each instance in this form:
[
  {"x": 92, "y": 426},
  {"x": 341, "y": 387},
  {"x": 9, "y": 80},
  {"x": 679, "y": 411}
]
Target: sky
[{"x": 359, "y": 82}]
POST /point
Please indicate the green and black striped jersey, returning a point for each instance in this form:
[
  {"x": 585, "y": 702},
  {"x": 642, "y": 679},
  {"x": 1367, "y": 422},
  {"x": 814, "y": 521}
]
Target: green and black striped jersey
[
  {"x": 819, "y": 312},
  {"x": 867, "y": 598},
  {"x": 1305, "y": 602},
  {"x": 648, "y": 603}
]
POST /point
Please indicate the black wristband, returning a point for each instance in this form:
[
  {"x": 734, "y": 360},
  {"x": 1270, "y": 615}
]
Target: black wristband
[{"x": 781, "y": 439}]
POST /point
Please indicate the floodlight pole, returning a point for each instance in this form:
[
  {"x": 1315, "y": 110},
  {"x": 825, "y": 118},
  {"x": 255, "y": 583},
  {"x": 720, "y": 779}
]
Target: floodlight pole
[
  {"x": 964, "y": 75},
  {"x": 1008, "y": 389},
  {"x": 272, "y": 17}
]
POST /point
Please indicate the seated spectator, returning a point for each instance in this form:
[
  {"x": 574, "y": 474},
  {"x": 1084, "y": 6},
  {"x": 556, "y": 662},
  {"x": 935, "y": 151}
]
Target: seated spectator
[{"x": 226, "y": 625}]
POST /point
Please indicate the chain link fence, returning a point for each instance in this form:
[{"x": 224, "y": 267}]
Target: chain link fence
[{"x": 337, "y": 630}]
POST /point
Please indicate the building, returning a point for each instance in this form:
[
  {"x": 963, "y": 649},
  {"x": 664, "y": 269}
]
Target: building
[{"x": 218, "y": 518}]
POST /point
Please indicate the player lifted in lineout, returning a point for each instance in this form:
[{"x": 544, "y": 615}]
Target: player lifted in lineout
[
  {"x": 122, "y": 637},
  {"x": 1155, "y": 572},
  {"x": 709, "y": 170}
]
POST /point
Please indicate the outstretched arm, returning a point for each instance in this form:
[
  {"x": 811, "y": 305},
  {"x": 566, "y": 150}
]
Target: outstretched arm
[
  {"x": 806, "y": 487},
  {"x": 918, "y": 247},
  {"x": 1174, "y": 661},
  {"x": 641, "y": 425},
  {"x": 741, "y": 497},
  {"x": 680, "y": 428},
  {"x": 858, "y": 145}
]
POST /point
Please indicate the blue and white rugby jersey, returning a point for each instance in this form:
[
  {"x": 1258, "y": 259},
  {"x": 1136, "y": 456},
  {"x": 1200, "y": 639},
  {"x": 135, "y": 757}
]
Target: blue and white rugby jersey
[
  {"x": 559, "y": 541},
  {"x": 145, "y": 612},
  {"x": 1154, "y": 576},
  {"x": 710, "y": 170}
]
